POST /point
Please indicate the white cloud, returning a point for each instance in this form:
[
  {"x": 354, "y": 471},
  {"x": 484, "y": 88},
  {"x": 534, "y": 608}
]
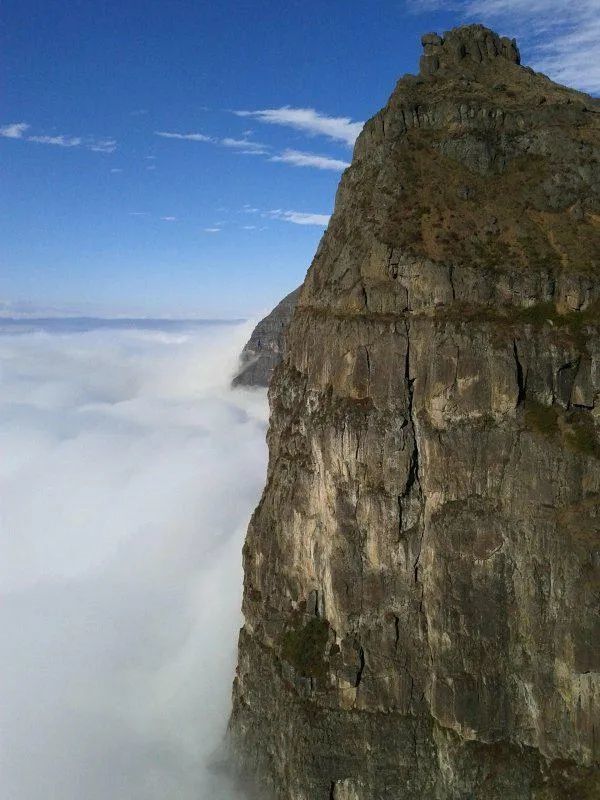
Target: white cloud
[
  {"x": 191, "y": 137},
  {"x": 250, "y": 147},
  {"x": 169, "y": 219},
  {"x": 299, "y": 159},
  {"x": 246, "y": 146},
  {"x": 103, "y": 146},
  {"x": 340, "y": 129},
  {"x": 59, "y": 141},
  {"x": 14, "y": 131},
  {"x": 212, "y": 230},
  {"x": 249, "y": 227},
  {"x": 300, "y": 217},
  {"x": 127, "y": 477},
  {"x": 558, "y": 38}
]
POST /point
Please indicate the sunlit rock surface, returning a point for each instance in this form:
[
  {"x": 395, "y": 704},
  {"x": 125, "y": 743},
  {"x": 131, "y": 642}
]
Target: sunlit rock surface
[{"x": 422, "y": 573}]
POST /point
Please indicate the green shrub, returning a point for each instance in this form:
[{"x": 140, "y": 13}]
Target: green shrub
[
  {"x": 540, "y": 418},
  {"x": 304, "y": 648},
  {"x": 581, "y": 435},
  {"x": 577, "y": 429},
  {"x": 538, "y": 314}
]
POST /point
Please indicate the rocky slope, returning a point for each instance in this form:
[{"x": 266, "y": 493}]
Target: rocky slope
[
  {"x": 422, "y": 573},
  {"x": 264, "y": 350}
]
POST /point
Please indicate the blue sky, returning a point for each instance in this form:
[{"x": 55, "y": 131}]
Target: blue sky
[{"x": 104, "y": 213}]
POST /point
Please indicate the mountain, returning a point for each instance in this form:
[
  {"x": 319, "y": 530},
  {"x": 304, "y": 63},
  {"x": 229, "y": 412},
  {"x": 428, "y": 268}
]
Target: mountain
[
  {"x": 422, "y": 573},
  {"x": 264, "y": 350}
]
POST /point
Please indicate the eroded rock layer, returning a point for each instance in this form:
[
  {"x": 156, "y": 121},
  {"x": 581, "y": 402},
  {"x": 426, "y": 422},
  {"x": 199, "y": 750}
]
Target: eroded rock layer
[{"x": 422, "y": 573}]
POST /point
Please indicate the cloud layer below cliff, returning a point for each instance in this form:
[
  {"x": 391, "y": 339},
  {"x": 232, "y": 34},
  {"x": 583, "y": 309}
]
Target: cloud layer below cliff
[{"x": 127, "y": 476}]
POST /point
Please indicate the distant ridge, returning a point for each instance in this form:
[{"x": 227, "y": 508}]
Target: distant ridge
[
  {"x": 264, "y": 350},
  {"x": 87, "y": 324}
]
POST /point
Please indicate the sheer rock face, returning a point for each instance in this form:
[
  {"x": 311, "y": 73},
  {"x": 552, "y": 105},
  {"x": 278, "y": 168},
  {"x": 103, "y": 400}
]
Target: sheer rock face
[
  {"x": 422, "y": 572},
  {"x": 264, "y": 349}
]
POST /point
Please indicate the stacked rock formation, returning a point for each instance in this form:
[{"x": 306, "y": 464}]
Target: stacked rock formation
[
  {"x": 422, "y": 573},
  {"x": 264, "y": 350}
]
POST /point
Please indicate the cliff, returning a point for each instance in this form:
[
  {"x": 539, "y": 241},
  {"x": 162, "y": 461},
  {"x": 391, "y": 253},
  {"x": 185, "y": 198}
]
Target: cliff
[
  {"x": 422, "y": 573},
  {"x": 264, "y": 350}
]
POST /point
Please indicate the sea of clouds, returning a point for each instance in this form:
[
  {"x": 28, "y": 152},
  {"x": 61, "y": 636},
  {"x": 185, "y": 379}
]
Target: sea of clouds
[{"x": 128, "y": 471}]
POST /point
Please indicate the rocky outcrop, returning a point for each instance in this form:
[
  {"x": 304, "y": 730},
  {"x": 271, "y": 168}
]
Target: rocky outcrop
[
  {"x": 264, "y": 350},
  {"x": 422, "y": 573},
  {"x": 473, "y": 43}
]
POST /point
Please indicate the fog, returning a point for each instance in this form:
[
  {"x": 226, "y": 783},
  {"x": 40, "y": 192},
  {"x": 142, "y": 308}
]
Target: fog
[{"x": 128, "y": 472}]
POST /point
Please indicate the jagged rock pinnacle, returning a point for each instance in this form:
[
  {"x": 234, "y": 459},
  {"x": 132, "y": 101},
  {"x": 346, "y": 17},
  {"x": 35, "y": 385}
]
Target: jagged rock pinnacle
[{"x": 474, "y": 42}]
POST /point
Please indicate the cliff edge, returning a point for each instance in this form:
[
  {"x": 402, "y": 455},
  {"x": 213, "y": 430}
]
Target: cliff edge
[{"x": 421, "y": 594}]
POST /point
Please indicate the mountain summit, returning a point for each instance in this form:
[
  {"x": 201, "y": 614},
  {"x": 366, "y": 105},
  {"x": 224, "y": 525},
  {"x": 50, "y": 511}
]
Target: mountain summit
[{"x": 421, "y": 574}]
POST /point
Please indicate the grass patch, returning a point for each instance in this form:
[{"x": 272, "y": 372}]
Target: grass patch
[
  {"x": 304, "y": 648},
  {"x": 539, "y": 314},
  {"x": 540, "y": 418},
  {"x": 580, "y": 435},
  {"x": 576, "y": 429},
  {"x": 491, "y": 253},
  {"x": 573, "y": 323}
]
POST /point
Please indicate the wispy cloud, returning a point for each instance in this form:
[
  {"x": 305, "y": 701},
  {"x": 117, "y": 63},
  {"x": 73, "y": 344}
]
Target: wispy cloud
[
  {"x": 191, "y": 137},
  {"x": 558, "y": 38},
  {"x": 296, "y": 158},
  {"x": 340, "y": 129},
  {"x": 17, "y": 130},
  {"x": 300, "y": 217},
  {"x": 59, "y": 141},
  {"x": 300, "y": 159},
  {"x": 103, "y": 146},
  {"x": 116, "y": 169},
  {"x": 212, "y": 230},
  {"x": 169, "y": 219},
  {"x": 245, "y": 145},
  {"x": 14, "y": 131}
]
